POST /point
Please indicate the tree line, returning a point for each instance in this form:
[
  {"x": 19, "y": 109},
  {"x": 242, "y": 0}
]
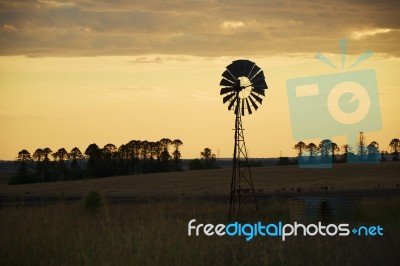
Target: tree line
[
  {"x": 131, "y": 158},
  {"x": 327, "y": 151}
]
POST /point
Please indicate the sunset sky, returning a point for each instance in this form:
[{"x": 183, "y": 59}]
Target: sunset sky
[{"x": 74, "y": 73}]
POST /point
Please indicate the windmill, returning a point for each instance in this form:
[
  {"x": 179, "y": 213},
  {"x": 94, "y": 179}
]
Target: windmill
[{"x": 243, "y": 85}]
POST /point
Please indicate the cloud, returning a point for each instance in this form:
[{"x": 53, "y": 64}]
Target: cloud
[
  {"x": 146, "y": 60},
  {"x": 56, "y": 4},
  {"x": 9, "y": 27},
  {"x": 232, "y": 24},
  {"x": 369, "y": 32},
  {"x": 208, "y": 28}
]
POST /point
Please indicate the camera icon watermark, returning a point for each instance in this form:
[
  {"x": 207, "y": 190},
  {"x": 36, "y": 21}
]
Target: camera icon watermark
[{"x": 325, "y": 106}]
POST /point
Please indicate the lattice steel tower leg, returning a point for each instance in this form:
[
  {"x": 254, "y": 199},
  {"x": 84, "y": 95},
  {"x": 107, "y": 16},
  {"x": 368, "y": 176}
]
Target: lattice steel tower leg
[{"x": 243, "y": 197}]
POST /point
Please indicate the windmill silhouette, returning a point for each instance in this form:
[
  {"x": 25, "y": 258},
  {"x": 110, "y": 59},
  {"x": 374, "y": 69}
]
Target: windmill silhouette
[{"x": 243, "y": 86}]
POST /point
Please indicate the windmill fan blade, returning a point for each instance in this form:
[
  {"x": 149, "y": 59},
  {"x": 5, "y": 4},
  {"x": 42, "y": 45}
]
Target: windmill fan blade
[
  {"x": 227, "y": 75},
  {"x": 232, "y": 103},
  {"x": 248, "y": 106},
  {"x": 259, "y": 91},
  {"x": 253, "y": 103},
  {"x": 259, "y": 77},
  {"x": 242, "y": 107},
  {"x": 261, "y": 85},
  {"x": 253, "y": 71},
  {"x": 249, "y": 66},
  {"x": 228, "y": 97},
  {"x": 234, "y": 70},
  {"x": 225, "y": 82},
  {"x": 226, "y": 90},
  {"x": 258, "y": 99},
  {"x": 244, "y": 67}
]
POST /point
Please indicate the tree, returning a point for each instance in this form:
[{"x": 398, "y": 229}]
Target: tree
[
  {"x": 38, "y": 155},
  {"x": 95, "y": 161},
  {"x": 335, "y": 148},
  {"x": 208, "y": 159},
  {"x": 23, "y": 159},
  {"x": 133, "y": 149},
  {"x": 110, "y": 153},
  {"x": 61, "y": 154},
  {"x": 46, "y": 164},
  {"x": 325, "y": 147},
  {"x": 301, "y": 146},
  {"x": 395, "y": 147},
  {"x": 165, "y": 157},
  {"x": 61, "y": 172},
  {"x": 23, "y": 175},
  {"x": 176, "y": 156},
  {"x": 347, "y": 151},
  {"x": 75, "y": 155},
  {"x": 312, "y": 149},
  {"x": 373, "y": 151}
]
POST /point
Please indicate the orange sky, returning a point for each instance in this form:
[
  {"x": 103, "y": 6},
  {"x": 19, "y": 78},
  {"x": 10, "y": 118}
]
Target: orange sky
[{"x": 75, "y": 73}]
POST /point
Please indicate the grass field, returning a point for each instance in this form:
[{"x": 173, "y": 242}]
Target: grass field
[
  {"x": 217, "y": 182},
  {"x": 155, "y": 232}
]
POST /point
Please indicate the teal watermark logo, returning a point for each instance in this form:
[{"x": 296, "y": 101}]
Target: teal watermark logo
[
  {"x": 280, "y": 229},
  {"x": 325, "y": 106}
]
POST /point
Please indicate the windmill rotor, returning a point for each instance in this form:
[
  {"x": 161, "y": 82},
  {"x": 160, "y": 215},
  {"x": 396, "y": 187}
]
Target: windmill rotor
[{"x": 243, "y": 84}]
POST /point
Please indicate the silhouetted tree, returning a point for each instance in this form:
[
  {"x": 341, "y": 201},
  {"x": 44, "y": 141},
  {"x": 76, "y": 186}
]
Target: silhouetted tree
[
  {"x": 24, "y": 159},
  {"x": 133, "y": 149},
  {"x": 373, "y": 152},
  {"x": 312, "y": 149},
  {"x": 165, "y": 157},
  {"x": 75, "y": 155},
  {"x": 335, "y": 148},
  {"x": 328, "y": 148},
  {"x": 176, "y": 157},
  {"x": 61, "y": 171},
  {"x": 110, "y": 155},
  {"x": 208, "y": 159},
  {"x": 39, "y": 156},
  {"x": 94, "y": 164},
  {"x": 60, "y": 155},
  {"x": 325, "y": 148},
  {"x": 23, "y": 174},
  {"x": 300, "y": 146},
  {"x": 395, "y": 147},
  {"x": 347, "y": 151},
  {"x": 123, "y": 153}
]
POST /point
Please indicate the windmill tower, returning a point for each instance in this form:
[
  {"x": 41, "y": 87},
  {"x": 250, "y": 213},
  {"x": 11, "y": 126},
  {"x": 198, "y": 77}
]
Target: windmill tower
[{"x": 243, "y": 86}]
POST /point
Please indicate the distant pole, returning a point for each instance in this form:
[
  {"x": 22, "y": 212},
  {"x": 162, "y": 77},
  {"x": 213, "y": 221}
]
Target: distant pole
[{"x": 361, "y": 144}]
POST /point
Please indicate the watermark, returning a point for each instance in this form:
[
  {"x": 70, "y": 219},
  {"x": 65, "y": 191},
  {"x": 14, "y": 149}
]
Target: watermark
[
  {"x": 281, "y": 230},
  {"x": 325, "y": 106}
]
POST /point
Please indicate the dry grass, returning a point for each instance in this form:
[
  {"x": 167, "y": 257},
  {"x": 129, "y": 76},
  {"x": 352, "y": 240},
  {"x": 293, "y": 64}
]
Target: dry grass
[
  {"x": 156, "y": 234},
  {"x": 217, "y": 182}
]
